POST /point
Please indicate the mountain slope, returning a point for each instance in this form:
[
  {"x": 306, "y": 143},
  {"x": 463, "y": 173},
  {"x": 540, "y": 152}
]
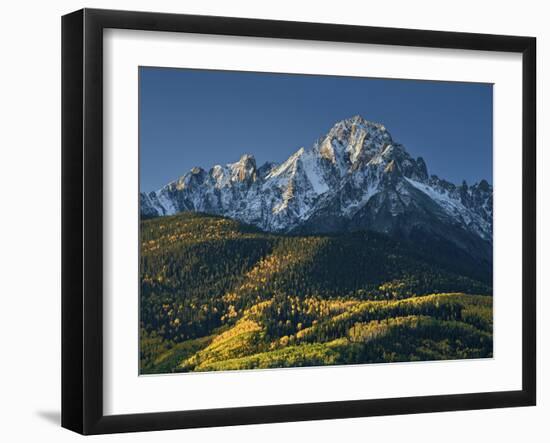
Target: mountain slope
[
  {"x": 356, "y": 177},
  {"x": 217, "y": 294}
]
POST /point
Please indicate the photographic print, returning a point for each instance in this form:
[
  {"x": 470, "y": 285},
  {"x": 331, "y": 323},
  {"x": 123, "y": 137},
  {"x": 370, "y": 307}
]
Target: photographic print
[{"x": 292, "y": 220}]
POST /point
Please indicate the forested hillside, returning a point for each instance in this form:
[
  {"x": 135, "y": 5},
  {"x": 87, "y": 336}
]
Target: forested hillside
[{"x": 218, "y": 295}]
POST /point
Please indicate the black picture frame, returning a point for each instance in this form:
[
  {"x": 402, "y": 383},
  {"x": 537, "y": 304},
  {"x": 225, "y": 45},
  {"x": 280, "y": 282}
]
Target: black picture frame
[{"x": 82, "y": 218}]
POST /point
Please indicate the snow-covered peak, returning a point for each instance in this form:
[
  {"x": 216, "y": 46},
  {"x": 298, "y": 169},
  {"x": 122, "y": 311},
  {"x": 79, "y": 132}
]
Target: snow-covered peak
[
  {"x": 195, "y": 177},
  {"x": 289, "y": 166},
  {"x": 353, "y": 140},
  {"x": 354, "y": 177},
  {"x": 304, "y": 168},
  {"x": 244, "y": 169},
  {"x": 360, "y": 122}
]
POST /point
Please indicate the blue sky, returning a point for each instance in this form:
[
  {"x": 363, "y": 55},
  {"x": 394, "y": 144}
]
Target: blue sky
[{"x": 202, "y": 118}]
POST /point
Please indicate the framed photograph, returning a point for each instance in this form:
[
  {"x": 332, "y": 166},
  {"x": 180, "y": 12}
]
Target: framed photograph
[{"x": 269, "y": 221}]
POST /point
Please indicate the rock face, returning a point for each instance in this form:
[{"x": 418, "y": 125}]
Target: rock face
[{"x": 355, "y": 177}]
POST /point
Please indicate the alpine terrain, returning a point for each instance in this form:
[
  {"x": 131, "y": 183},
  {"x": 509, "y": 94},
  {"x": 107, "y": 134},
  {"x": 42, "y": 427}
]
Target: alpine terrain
[
  {"x": 347, "y": 252},
  {"x": 356, "y": 177}
]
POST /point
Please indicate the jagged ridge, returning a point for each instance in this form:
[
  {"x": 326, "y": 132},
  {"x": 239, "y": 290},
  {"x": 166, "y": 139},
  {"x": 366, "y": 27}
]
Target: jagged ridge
[{"x": 355, "y": 177}]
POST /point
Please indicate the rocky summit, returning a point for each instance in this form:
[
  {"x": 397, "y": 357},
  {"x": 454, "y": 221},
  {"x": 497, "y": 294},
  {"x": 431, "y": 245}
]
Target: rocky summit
[{"x": 356, "y": 177}]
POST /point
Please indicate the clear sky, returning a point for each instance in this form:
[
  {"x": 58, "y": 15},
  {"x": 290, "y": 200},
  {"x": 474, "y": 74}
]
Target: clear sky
[{"x": 201, "y": 118}]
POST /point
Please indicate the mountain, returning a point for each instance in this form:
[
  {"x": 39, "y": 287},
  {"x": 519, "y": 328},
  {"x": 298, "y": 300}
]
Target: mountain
[
  {"x": 217, "y": 294},
  {"x": 354, "y": 178}
]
